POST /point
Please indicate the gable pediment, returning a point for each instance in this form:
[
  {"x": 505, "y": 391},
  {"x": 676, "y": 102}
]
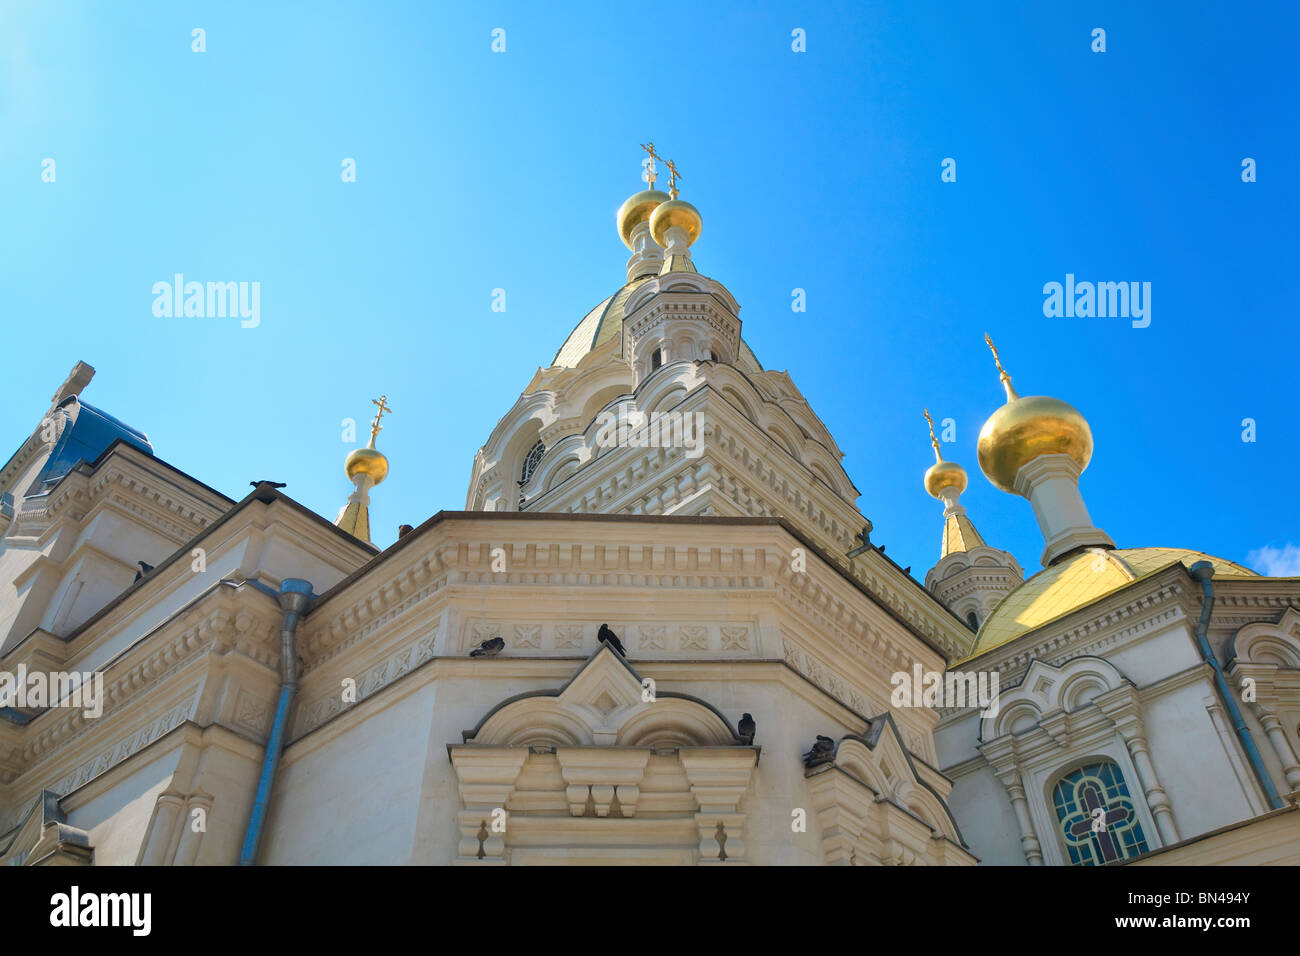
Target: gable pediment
[
  {"x": 606, "y": 703},
  {"x": 548, "y": 776}
]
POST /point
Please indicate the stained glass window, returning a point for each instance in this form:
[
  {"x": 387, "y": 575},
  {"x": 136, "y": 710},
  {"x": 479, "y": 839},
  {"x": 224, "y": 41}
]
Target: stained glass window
[{"x": 1095, "y": 816}]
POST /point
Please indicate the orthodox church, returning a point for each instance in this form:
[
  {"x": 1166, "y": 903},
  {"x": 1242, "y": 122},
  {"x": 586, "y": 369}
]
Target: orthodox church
[{"x": 659, "y": 633}]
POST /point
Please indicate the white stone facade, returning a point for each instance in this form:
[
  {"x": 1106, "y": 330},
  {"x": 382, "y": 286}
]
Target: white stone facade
[{"x": 721, "y": 564}]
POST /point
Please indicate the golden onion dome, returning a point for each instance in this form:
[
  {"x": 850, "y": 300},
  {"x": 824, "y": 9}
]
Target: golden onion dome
[
  {"x": 636, "y": 210},
  {"x": 367, "y": 461},
  {"x": 676, "y": 212},
  {"x": 943, "y": 475},
  {"x": 1025, "y": 428}
]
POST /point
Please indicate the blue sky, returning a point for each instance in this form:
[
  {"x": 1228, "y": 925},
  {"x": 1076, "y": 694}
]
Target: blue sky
[{"x": 817, "y": 170}]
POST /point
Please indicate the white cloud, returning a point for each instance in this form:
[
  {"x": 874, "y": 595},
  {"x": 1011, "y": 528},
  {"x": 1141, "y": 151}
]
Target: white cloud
[{"x": 1283, "y": 562}]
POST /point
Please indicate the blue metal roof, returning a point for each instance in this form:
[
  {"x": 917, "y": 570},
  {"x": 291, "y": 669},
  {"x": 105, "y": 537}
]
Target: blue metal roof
[{"x": 88, "y": 437}]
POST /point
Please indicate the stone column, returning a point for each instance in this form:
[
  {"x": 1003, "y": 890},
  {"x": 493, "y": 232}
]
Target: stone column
[
  {"x": 1281, "y": 746},
  {"x": 1122, "y": 707},
  {"x": 1028, "y": 838},
  {"x": 159, "y": 842},
  {"x": 1157, "y": 799},
  {"x": 187, "y": 852}
]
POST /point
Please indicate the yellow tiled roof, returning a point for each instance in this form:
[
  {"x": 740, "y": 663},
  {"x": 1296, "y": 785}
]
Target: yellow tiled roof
[
  {"x": 677, "y": 264},
  {"x": 1079, "y": 581},
  {"x": 959, "y": 535}
]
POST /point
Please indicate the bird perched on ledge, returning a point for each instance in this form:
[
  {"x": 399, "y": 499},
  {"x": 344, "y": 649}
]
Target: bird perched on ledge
[
  {"x": 489, "y": 648},
  {"x": 746, "y": 728},
  {"x": 607, "y": 636},
  {"x": 823, "y": 751}
]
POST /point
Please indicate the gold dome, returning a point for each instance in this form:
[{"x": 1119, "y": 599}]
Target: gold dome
[
  {"x": 636, "y": 210},
  {"x": 367, "y": 461},
  {"x": 676, "y": 212},
  {"x": 944, "y": 475},
  {"x": 1025, "y": 428}
]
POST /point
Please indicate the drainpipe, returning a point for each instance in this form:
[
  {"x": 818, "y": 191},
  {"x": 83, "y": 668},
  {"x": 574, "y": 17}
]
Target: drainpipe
[
  {"x": 294, "y": 596},
  {"x": 1203, "y": 571}
]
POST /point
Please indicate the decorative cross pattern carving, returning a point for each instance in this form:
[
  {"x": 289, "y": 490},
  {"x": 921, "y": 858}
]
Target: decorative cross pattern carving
[
  {"x": 568, "y": 635},
  {"x": 735, "y": 638},
  {"x": 652, "y": 637},
  {"x": 693, "y": 637}
]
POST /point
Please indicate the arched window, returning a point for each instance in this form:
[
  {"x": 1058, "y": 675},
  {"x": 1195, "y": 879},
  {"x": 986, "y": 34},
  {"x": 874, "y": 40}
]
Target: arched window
[
  {"x": 530, "y": 465},
  {"x": 1095, "y": 816},
  {"x": 973, "y": 621},
  {"x": 656, "y": 359},
  {"x": 531, "y": 462}
]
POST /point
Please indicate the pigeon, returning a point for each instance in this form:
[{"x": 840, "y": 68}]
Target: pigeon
[
  {"x": 273, "y": 484},
  {"x": 607, "y": 636},
  {"x": 746, "y": 728},
  {"x": 144, "y": 569},
  {"x": 489, "y": 648},
  {"x": 823, "y": 751}
]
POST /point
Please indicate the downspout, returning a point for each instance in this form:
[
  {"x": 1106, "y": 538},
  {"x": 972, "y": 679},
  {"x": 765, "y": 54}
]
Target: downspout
[
  {"x": 294, "y": 596},
  {"x": 1203, "y": 571}
]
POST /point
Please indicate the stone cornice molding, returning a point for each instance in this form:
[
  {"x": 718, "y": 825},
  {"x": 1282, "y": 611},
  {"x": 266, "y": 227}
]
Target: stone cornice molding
[
  {"x": 26, "y": 454},
  {"x": 742, "y": 566},
  {"x": 308, "y": 534},
  {"x": 150, "y": 689},
  {"x": 136, "y": 482},
  {"x": 692, "y": 289},
  {"x": 458, "y": 561},
  {"x": 217, "y": 623}
]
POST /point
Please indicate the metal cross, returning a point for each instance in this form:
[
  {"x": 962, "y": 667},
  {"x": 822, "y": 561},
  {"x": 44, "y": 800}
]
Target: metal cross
[
  {"x": 673, "y": 176},
  {"x": 648, "y": 164},
  {"x": 382, "y": 403},
  {"x": 930, "y": 421}
]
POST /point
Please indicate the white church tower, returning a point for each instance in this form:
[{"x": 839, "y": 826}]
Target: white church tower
[{"x": 655, "y": 405}]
